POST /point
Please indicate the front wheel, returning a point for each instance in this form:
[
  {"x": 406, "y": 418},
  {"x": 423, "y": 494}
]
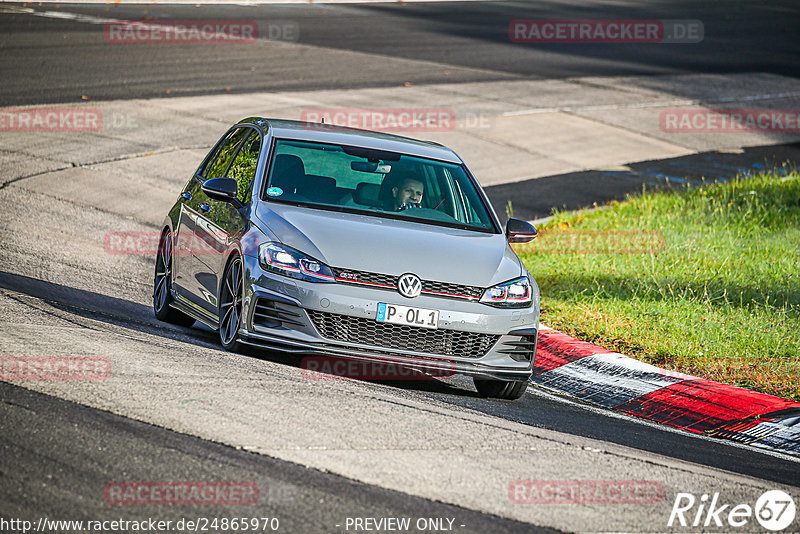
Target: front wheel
[
  {"x": 230, "y": 305},
  {"x": 500, "y": 389}
]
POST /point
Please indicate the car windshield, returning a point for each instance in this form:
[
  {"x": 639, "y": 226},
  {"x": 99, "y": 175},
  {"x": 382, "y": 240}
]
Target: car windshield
[{"x": 384, "y": 184}]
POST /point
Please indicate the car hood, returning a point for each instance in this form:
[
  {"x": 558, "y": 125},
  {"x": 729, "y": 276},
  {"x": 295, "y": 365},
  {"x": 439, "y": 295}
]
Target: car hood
[{"x": 394, "y": 247}]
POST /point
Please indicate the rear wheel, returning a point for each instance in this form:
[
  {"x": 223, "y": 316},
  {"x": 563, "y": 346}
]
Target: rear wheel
[
  {"x": 500, "y": 389},
  {"x": 162, "y": 285},
  {"x": 230, "y": 305}
]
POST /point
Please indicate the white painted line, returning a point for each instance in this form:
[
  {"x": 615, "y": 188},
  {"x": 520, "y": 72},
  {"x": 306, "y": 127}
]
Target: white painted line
[
  {"x": 615, "y": 361},
  {"x": 64, "y": 15},
  {"x": 609, "y": 379}
]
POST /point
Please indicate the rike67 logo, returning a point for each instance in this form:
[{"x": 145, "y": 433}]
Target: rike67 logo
[{"x": 774, "y": 510}]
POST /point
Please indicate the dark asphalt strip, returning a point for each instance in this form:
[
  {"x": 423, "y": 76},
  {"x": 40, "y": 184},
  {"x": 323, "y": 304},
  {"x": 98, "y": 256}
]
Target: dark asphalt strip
[
  {"x": 49, "y": 60},
  {"x": 57, "y": 457}
]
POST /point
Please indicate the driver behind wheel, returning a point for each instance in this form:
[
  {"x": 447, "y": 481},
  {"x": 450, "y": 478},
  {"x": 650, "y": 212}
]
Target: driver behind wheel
[{"x": 407, "y": 194}]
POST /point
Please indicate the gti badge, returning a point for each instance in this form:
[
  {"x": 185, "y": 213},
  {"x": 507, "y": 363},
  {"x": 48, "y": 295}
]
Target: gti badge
[{"x": 409, "y": 285}]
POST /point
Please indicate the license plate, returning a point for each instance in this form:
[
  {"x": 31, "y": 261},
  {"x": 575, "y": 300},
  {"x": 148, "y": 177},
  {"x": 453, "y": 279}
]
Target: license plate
[{"x": 396, "y": 314}]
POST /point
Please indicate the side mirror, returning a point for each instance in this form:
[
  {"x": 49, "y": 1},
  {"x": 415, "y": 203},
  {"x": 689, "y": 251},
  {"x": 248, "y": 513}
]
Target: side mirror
[
  {"x": 518, "y": 231},
  {"x": 224, "y": 189}
]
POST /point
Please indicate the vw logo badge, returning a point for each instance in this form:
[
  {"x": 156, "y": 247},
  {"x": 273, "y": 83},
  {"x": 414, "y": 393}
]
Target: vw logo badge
[{"x": 409, "y": 285}]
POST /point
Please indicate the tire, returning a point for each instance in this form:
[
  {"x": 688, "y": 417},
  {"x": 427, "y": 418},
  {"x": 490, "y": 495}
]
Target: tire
[
  {"x": 162, "y": 285},
  {"x": 230, "y": 305},
  {"x": 500, "y": 389}
]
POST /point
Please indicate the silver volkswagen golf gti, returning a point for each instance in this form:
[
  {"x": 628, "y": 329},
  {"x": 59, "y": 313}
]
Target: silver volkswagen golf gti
[{"x": 328, "y": 241}]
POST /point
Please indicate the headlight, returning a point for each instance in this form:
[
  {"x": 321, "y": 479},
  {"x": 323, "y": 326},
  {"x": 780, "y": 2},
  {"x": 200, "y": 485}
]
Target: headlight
[
  {"x": 512, "y": 294},
  {"x": 290, "y": 262}
]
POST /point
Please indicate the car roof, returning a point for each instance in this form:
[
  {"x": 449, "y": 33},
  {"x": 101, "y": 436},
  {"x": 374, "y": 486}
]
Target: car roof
[{"x": 328, "y": 133}]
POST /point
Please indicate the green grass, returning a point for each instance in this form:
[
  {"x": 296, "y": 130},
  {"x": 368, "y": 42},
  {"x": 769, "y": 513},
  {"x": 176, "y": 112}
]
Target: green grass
[{"x": 705, "y": 280}]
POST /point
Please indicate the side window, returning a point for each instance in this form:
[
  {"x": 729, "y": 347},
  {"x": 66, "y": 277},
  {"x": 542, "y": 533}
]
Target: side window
[
  {"x": 243, "y": 168},
  {"x": 212, "y": 156},
  {"x": 217, "y": 167}
]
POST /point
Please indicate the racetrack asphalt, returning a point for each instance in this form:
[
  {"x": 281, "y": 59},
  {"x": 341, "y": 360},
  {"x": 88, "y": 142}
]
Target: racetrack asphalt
[
  {"x": 348, "y": 46},
  {"x": 177, "y": 407}
]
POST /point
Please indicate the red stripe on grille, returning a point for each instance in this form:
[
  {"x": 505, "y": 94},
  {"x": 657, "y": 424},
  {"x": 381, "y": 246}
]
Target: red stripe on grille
[
  {"x": 450, "y": 294},
  {"x": 347, "y": 280}
]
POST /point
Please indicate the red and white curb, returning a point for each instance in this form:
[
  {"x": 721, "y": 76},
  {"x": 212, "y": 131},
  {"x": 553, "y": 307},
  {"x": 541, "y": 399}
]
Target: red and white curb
[{"x": 612, "y": 380}]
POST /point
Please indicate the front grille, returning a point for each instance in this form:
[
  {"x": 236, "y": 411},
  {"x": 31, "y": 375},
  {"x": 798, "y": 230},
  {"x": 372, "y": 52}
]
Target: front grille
[
  {"x": 350, "y": 329},
  {"x": 356, "y": 277},
  {"x": 452, "y": 289},
  {"x": 387, "y": 281}
]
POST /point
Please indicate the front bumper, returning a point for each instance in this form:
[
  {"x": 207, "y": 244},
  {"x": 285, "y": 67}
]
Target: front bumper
[{"x": 338, "y": 320}]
